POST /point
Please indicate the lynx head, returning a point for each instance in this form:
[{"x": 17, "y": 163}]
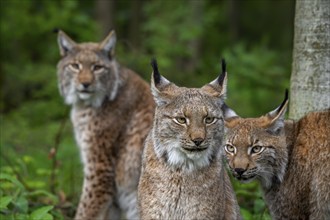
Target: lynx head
[
  {"x": 256, "y": 147},
  {"x": 87, "y": 72},
  {"x": 188, "y": 126}
]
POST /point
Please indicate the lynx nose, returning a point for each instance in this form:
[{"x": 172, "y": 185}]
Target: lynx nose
[
  {"x": 85, "y": 85},
  {"x": 239, "y": 171},
  {"x": 198, "y": 141}
]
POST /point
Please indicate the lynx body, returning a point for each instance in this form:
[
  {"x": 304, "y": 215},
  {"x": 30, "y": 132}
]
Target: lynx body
[
  {"x": 182, "y": 173},
  {"x": 112, "y": 112},
  {"x": 291, "y": 160}
]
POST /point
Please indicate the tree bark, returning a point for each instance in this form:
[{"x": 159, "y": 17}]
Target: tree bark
[
  {"x": 310, "y": 79},
  {"x": 134, "y": 35},
  {"x": 105, "y": 10},
  {"x": 234, "y": 12}
]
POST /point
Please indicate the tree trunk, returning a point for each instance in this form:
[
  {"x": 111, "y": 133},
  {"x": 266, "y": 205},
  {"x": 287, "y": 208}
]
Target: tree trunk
[
  {"x": 310, "y": 79},
  {"x": 234, "y": 12},
  {"x": 105, "y": 10},
  {"x": 134, "y": 29}
]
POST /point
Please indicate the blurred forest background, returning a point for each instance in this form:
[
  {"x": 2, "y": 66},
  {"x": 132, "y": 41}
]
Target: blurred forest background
[{"x": 41, "y": 174}]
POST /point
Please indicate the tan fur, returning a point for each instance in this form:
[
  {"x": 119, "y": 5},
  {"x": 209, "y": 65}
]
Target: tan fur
[
  {"x": 182, "y": 173},
  {"x": 294, "y": 165},
  {"x": 111, "y": 118}
]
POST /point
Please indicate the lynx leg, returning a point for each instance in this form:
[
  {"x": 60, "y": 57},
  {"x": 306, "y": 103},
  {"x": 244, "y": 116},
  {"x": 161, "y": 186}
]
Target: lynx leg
[
  {"x": 129, "y": 164},
  {"x": 128, "y": 203},
  {"x": 113, "y": 212},
  {"x": 98, "y": 191},
  {"x": 128, "y": 172}
]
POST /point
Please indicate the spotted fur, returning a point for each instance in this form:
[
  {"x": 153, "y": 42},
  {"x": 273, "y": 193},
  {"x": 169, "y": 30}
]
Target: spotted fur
[{"x": 112, "y": 112}]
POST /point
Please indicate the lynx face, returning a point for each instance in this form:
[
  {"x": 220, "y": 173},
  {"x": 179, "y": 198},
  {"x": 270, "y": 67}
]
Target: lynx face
[
  {"x": 188, "y": 126},
  {"x": 87, "y": 72},
  {"x": 256, "y": 147}
]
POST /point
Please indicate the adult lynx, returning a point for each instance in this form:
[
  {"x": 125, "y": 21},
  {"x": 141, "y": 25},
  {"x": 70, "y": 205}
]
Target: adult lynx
[
  {"x": 291, "y": 160},
  {"x": 182, "y": 174},
  {"x": 112, "y": 112}
]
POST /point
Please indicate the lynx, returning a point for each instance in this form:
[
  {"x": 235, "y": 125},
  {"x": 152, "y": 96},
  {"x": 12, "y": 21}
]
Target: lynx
[
  {"x": 182, "y": 174},
  {"x": 290, "y": 158},
  {"x": 112, "y": 113}
]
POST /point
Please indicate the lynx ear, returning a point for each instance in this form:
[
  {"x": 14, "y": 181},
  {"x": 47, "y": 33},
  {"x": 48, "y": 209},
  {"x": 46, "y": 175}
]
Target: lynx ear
[
  {"x": 218, "y": 87},
  {"x": 65, "y": 43},
  {"x": 161, "y": 88},
  {"x": 229, "y": 115},
  {"x": 276, "y": 117},
  {"x": 109, "y": 43}
]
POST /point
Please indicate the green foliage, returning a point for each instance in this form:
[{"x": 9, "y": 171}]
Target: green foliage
[
  {"x": 256, "y": 75},
  {"x": 17, "y": 202},
  {"x": 49, "y": 179},
  {"x": 26, "y": 189},
  {"x": 250, "y": 200}
]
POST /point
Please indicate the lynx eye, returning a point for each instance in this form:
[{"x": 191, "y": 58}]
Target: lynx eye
[
  {"x": 180, "y": 120},
  {"x": 230, "y": 149},
  {"x": 74, "y": 66},
  {"x": 257, "y": 149},
  {"x": 97, "y": 67},
  {"x": 209, "y": 120}
]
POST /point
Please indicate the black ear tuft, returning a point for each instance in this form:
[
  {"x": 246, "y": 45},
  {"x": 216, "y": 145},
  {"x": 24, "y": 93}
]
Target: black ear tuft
[
  {"x": 56, "y": 30},
  {"x": 156, "y": 73},
  {"x": 286, "y": 96},
  {"x": 224, "y": 72},
  {"x": 224, "y": 65}
]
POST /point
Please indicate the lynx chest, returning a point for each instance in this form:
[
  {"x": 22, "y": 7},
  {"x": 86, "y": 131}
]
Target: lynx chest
[
  {"x": 185, "y": 196},
  {"x": 84, "y": 129}
]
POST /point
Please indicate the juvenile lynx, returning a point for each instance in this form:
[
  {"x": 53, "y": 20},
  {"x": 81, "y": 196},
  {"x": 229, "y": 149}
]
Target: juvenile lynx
[
  {"x": 291, "y": 160},
  {"x": 182, "y": 174},
  {"x": 112, "y": 112}
]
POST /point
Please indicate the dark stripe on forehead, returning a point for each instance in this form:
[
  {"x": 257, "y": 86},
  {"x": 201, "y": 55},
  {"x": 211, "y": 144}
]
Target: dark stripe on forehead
[{"x": 87, "y": 56}]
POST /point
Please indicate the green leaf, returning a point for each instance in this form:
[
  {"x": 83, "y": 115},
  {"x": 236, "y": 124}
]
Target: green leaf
[
  {"x": 19, "y": 216},
  {"x": 27, "y": 159},
  {"x": 246, "y": 214},
  {"x": 35, "y": 184},
  {"x": 4, "y": 201},
  {"x": 48, "y": 217},
  {"x": 41, "y": 213},
  {"x": 22, "y": 204},
  {"x": 9, "y": 217},
  {"x": 43, "y": 192},
  {"x": 259, "y": 205},
  {"x": 12, "y": 179}
]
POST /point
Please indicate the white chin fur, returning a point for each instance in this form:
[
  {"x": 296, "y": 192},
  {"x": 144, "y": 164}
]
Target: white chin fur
[
  {"x": 178, "y": 158},
  {"x": 189, "y": 161},
  {"x": 88, "y": 99},
  {"x": 84, "y": 96}
]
